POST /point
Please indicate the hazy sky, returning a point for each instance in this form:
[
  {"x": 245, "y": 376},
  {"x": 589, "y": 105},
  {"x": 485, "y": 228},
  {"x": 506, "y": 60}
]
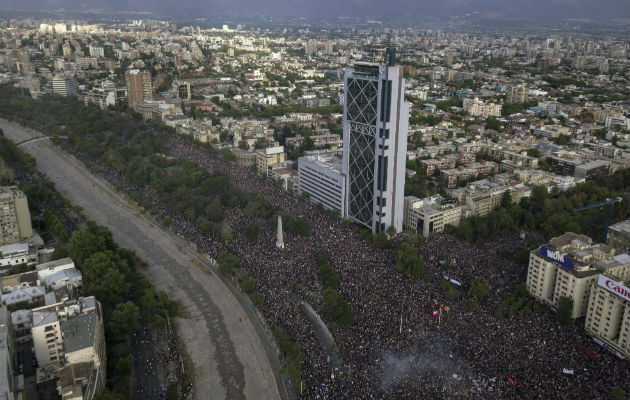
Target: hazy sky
[{"x": 561, "y": 9}]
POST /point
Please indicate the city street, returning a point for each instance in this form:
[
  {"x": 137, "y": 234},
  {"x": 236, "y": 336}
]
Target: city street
[{"x": 228, "y": 357}]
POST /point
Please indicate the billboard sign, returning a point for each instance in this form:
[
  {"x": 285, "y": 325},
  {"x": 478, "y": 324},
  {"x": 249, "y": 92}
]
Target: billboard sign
[
  {"x": 556, "y": 257},
  {"x": 612, "y": 286}
]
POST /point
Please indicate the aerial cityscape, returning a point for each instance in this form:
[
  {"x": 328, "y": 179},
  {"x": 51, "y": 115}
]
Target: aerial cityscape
[{"x": 327, "y": 200}]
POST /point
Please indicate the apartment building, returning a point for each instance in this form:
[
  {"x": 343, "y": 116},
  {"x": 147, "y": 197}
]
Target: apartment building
[
  {"x": 268, "y": 157},
  {"x": 569, "y": 266},
  {"x": 517, "y": 94},
  {"x": 139, "y": 87},
  {"x": 479, "y": 108},
  {"x": 15, "y": 219},
  {"x": 483, "y": 196},
  {"x": 608, "y": 315},
  {"x": 69, "y": 337}
]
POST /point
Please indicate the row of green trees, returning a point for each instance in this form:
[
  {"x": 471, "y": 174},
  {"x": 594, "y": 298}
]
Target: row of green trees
[
  {"x": 110, "y": 273},
  {"x": 334, "y": 307},
  {"x": 56, "y": 225},
  {"x": 131, "y": 148}
]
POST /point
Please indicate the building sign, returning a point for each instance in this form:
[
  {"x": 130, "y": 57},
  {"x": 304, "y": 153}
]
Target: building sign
[
  {"x": 556, "y": 257},
  {"x": 612, "y": 286}
]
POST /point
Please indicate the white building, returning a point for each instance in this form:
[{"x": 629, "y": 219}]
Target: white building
[
  {"x": 622, "y": 122},
  {"x": 376, "y": 118},
  {"x": 320, "y": 177},
  {"x": 15, "y": 254},
  {"x": 64, "y": 86},
  {"x": 46, "y": 269}
]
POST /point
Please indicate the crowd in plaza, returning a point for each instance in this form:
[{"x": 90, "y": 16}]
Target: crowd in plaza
[{"x": 396, "y": 345}]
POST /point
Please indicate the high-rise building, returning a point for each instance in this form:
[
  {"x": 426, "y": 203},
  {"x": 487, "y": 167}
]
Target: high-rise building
[
  {"x": 15, "y": 219},
  {"x": 64, "y": 86},
  {"x": 608, "y": 315},
  {"x": 569, "y": 266},
  {"x": 139, "y": 86},
  {"x": 376, "y": 118}
]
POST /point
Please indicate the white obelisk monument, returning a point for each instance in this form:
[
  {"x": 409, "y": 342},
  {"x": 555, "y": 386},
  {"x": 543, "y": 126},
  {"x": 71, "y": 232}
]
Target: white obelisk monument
[{"x": 279, "y": 239}]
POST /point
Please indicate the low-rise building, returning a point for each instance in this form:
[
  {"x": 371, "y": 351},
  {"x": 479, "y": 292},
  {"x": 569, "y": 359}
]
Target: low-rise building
[
  {"x": 320, "y": 178},
  {"x": 430, "y": 215},
  {"x": 619, "y": 236},
  {"x": 285, "y": 175},
  {"x": 268, "y": 157},
  {"x": 590, "y": 170},
  {"x": 50, "y": 268},
  {"x": 244, "y": 158},
  {"x": 483, "y": 196},
  {"x": 17, "y": 253},
  {"x": 463, "y": 174}
]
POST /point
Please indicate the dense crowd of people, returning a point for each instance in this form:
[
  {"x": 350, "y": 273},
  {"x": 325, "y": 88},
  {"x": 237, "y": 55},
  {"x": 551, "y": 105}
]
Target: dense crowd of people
[
  {"x": 396, "y": 347},
  {"x": 156, "y": 365}
]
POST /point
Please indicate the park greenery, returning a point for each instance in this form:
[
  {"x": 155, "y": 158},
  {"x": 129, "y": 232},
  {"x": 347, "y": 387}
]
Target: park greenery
[
  {"x": 408, "y": 261},
  {"x": 448, "y": 290},
  {"x": 479, "y": 287},
  {"x": 293, "y": 356},
  {"x": 336, "y": 309},
  {"x": 56, "y": 225},
  {"x": 327, "y": 275},
  {"x": 229, "y": 264},
  {"x": 112, "y": 275},
  {"x": 552, "y": 214},
  {"x": 517, "y": 303}
]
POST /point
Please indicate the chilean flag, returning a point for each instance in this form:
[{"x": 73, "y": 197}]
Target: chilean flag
[
  {"x": 436, "y": 313},
  {"x": 435, "y": 303}
]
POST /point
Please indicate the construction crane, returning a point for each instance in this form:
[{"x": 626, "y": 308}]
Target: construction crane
[{"x": 607, "y": 202}]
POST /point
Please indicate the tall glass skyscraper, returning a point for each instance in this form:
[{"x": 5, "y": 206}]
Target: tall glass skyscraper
[{"x": 376, "y": 118}]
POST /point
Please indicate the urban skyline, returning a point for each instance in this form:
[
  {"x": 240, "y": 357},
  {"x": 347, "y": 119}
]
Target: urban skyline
[{"x": 314, "y": 200}]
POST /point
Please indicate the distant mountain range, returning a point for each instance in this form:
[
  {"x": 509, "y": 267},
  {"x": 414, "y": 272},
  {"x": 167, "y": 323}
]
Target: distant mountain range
[{"x": 601, "y": 10}]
